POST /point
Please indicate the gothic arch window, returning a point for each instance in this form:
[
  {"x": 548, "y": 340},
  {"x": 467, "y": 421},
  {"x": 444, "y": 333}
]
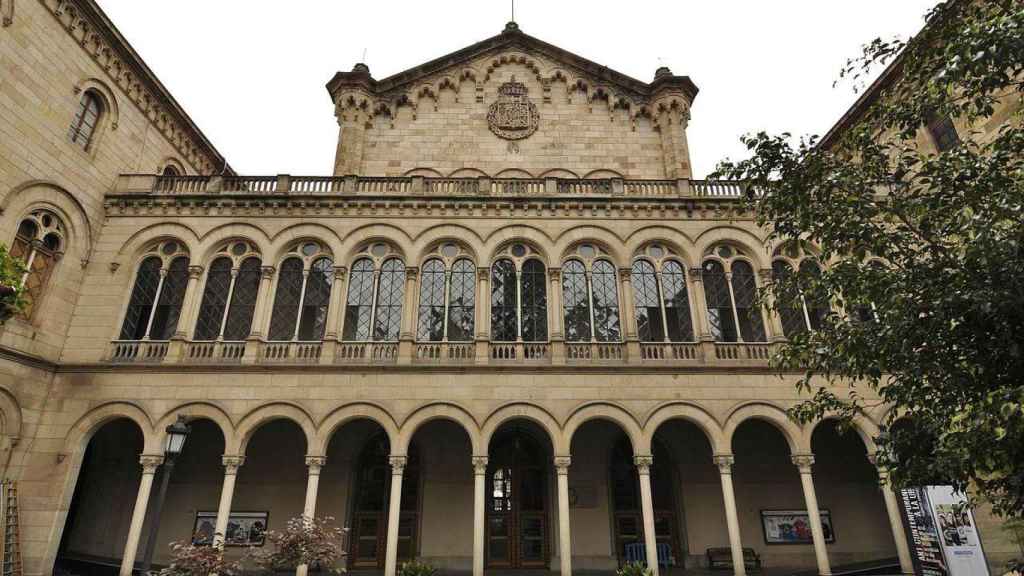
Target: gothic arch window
[
  {"x": 170, "y": 171},
  {"x": 159, "y": 290},
  {"x": 303, "y": 294},
  {"x": 376, "y": 289},
  {"x": 731, "y": 292},
  {"x": 660, "y": 296},
  {"x": 447, "y": 296},
  {"x": 519, "y": 303},
  {"x": 39, "y": 242},
  {"x": 590, "y": 297},
  {"x": 802, "y": 312},
  {"x": 86, "y": 120},
  {"x": 229, "y": 299}
]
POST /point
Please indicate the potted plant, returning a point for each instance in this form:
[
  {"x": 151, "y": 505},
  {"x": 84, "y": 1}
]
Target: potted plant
[
  {"x": 12, "y": 291},
  {"x": 315, "y": 542}
]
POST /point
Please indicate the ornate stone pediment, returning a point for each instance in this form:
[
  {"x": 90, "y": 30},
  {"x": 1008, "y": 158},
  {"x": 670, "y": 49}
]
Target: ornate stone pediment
[{"x": 513, "y": 116}]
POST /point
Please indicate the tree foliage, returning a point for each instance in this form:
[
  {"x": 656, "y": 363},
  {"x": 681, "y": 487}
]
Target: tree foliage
[{"x": 923, "y": 251}]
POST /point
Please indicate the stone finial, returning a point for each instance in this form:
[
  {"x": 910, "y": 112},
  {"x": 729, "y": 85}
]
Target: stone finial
[
  {"x": 361, "y": 68},
  {"x": 511, "y": 27},
  {"x": 662, "y": 72}
]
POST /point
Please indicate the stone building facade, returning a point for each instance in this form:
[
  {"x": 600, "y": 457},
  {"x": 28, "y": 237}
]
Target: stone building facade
[{"x": 509, "y": 332}]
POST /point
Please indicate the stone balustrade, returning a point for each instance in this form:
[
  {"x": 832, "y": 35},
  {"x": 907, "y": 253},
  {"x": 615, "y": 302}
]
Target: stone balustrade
[
  {"x": 287, "y": 185},
  {"x": 480, "y": 353}
]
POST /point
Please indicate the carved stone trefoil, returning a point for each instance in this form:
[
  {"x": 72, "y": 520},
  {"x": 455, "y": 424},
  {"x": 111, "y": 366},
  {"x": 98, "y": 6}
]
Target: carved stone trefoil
[{"x": 513, "y": 116}]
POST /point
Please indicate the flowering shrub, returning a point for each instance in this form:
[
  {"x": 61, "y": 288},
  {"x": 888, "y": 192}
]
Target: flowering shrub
[
  {"x": 633, "y": 569},
  {"x": 191, "y": 560},
  {"x": 316, "y": 542},
  {"x": 416, "y": 568}
]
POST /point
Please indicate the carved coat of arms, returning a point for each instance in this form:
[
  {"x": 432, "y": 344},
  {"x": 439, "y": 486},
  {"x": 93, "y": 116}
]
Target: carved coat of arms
[{"x": 513, "y": 116}]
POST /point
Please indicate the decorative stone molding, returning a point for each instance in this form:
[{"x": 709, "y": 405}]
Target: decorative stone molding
[
  {"x": 397, "y": 464},
  {"x": 150, "y": 462},
  {"x": 267, "y": 272},
  {"x": 625, "y": 274},
  {"x": 195, "y": 272},
  {"x": 804, "y": 462},
  {"x": 643, "y": 463},
  {"x": 480, "y": 465},
  {"x": 513, "y": 116},
  {"x": 562, "y": 464},
  {"x": 340, "y": 272},
  {"x": 724, "y": 462},
  {"x": 232, "y": 463},
  {"x": 315, "y": 463},
  {"x": 483, "y": 274},
  {"x": 696, "y": 274}
]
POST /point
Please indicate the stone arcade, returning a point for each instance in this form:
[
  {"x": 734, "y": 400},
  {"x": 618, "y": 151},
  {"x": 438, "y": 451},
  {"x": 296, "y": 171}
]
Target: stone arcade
[{"x": 510, "y": 331}]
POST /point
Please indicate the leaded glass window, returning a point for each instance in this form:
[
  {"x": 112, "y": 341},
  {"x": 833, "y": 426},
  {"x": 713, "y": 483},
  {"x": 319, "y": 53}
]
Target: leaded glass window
[
  {"x": 83, "y": 127},
  {"x": 534, "y": 302},
  {"x": 154, "y": 306},
  {"x": 575, "y": 302},
  {"x": 606, "y": 302},
  {"x": 790, "y": 313},
  {"x": 286, "y": 300},
  {"x": 504, "y": 309},
  {"x": 677, "y": 302},
  {"x": 647, "y": 302},
  {"x": 804, "y": 311},
  {"x": 359, "y": 304},
  {"x": 39, "y": 242},
  {"x": 140, "y": 306},
  {"x": 816, "y": 306},
  {"x": 748, "y": 313},
  {"x": 316, "y": 300},
  {"x": 215, "y": 300},
  {"x": 432, "y": 300},
  {"x": 720, "y": 307},
  {"x": 462, "y": 301},
  {"x": 168, "y": 306},
  {"x": 388, "y": 310},
  {"x": 238, "y": 324}
]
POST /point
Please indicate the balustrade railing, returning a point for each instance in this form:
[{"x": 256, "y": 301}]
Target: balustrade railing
[
  {"x": 138, "y": 350},
  {"x": 743, "y": 351},
  {"x": 670, "y": 351},
  {"x": 652, "y": 188},
  {"x": 215, "y": 352},
  {"x": 366, "y": 353},
  {"x": 717, "y": 189},
  {"x": 444, "y": 352}
]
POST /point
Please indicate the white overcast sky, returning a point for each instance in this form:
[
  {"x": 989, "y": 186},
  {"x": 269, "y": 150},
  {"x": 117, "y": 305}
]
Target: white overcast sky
[{"x": 251, "y": 73}]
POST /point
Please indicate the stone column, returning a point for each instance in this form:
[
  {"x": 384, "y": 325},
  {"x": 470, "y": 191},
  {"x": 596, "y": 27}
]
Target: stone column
[
  {"x": 227, "y": 493},
  {"x": 408, "y": 331},
  {"x": 263, "y": 303},
  {"x": 479, "y": 512},
  {"x": 555, "y": 304},
  {"x": 149, "y": 463},
  {"x": 724, "y": 463},
  {"x": 773, "y": 327},
  {"x": 564, "y": 526},
  {"x": 643, "y": 468},
  {"x": 629, "y": 315},
  {"x": 701, "y": 325},
  {"x": 394, "y": 509},
  {"x": 892, "y": 507},
  {"x": 313, "y": 465},
  {"x": 189, "y": 306},
  {"x": 483, "y": 315},
  {"x": 804, "y": 462},
  {"x": 337, "y": 303}
]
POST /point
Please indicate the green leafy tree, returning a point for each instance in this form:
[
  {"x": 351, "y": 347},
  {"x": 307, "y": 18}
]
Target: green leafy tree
[
  {"x": 923, "y": 252},
  {"x": 12, "y": 291}
]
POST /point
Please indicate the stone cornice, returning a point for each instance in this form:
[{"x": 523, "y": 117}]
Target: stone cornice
[{"x": 86, "y": 23}]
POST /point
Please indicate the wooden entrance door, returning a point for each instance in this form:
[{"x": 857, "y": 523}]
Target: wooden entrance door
[
  {"x": 517, "y": 531},
  {"x": 368, "y": 540}
]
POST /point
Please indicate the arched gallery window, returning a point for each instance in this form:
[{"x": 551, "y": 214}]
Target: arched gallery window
[
  {"x": 170, "y": 171},
  {"x": 447, "y": 296},
  {"x": 519, "y": 302},
  {"x": 160, "y": 284},
  {"x": 303, "y": 294},
  {"x": 229, "y": 299},
  {"x": 376, "y": 288},
  {"x": 802, "y": 313},
  {"x": 661, "y": 299},
  {"x": 83, "y": 127},
  {"x": 731, "y": 292},
  {"x": 40, "y": 243},
  {"x": 590, "y": 297}
]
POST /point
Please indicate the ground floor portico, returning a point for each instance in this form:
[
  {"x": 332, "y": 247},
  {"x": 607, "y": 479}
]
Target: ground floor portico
[{"x": 510, "y": 489}]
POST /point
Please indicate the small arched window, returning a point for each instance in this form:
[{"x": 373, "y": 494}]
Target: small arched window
[
  {"x": 801, "y": 313},
  {"x": 447, "y": 297},
  {"x": 661, "y": 300},
  {"x": 170, "y": 171},
  {"x": 519, "y": 303},
  {"x": 731, "y": 292},
  {"x": 87, "y": 118},
  {"x": 590, "y": 301},
  {"x": 303, "y": 294},
  {"x": 159, "y": 290},
  {"x": 229, "y": 299},
  {"x": 376, "y": 289},
  {"x": 40, "y": 243}
]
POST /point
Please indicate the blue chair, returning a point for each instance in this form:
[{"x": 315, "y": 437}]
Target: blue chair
[{"x": 637, "y": 552}]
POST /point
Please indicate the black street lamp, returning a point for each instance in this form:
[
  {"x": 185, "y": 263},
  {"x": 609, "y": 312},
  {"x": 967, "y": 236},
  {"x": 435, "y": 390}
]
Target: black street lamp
[{"x": 176, "y": 435}]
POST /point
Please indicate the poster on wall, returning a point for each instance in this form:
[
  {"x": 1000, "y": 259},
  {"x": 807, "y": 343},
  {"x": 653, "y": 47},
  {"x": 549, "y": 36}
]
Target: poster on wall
[
  {"x": 244, "y": 528},
  {"x": 922, "y": 533},
  {"x": 794, "y": 527},
  {"x": 958, "y": 534}
]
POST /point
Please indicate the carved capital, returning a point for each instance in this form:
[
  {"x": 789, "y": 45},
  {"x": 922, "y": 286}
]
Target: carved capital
[
  {"x": 194, "y": 272},
  {"x": 411, "y": 272},
  {"x": 315, "y": 463},
  {"x": 398, "y": 464},
  {"x": 696, "y": 274},
  {"x": 483, "y": 274},
  {"x": 340, "y": 272},
  {"x": 804, "y": 462},
  {"x": 562, "y": 464},
  {"x": 267, "y": 272},
  {"x": 643, "y": 463},
  {"x": 231, "y": 463},
  {"x": 765, "y": 274},
  {"x": 625, "y": 274},
  {"x": 479, "y": 465},
  {"x": 150, "y": 462},
  {"x": 724, "y": 463},
  {"x": 555, "y": 274}
]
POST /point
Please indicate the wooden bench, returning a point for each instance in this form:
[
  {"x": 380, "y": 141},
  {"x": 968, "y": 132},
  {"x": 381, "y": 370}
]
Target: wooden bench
[{"x": 722, "y": 558}]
